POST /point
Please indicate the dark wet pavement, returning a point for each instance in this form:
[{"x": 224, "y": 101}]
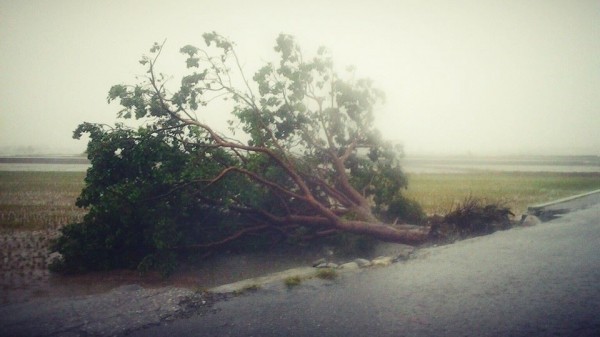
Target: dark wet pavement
[{"x": 536, "y": 281}]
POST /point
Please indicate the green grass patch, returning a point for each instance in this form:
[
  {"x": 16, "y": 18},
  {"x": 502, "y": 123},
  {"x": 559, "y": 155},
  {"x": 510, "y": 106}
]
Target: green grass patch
[
  {"x": 327, "y": 273},
  {"x": 292, "y": 281},
  {"x": 39, "y": 200},
  {"x": 42, "y": 200},
  {"x": 439, "y": 193},
  {"x": 247, "y": 289}
]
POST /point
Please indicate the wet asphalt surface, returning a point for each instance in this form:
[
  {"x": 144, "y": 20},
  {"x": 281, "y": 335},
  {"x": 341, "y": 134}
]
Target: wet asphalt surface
[
  {"x": 535, "y": 281},
  {"x": 115, "y": 313}
]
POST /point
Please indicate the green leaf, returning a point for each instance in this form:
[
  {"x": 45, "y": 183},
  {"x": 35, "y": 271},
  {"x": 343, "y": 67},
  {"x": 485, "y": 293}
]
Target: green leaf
[
  {"x": 155, "y": 47},
  {"x": 189, "y": 50}
]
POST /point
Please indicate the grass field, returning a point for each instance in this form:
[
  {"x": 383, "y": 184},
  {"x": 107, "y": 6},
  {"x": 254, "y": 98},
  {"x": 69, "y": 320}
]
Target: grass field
[
  {"x": 437, "y": 193},
  {"x": 46, "y": 200},
  {"x": 33, "y": 205}
]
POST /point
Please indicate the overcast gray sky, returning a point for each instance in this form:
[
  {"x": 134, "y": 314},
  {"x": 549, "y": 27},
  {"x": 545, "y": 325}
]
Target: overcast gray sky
[{"x": 480, "y": 77}]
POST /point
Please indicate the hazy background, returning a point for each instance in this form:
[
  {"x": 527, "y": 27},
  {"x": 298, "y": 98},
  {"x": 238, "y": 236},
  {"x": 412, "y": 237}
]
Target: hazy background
[{"x": 461, "y": 77}]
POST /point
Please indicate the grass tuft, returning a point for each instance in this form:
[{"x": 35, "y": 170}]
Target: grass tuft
[
  {"x": 292, "y": 281},
  {"x": 247, "y": 289},
  {"x": 327, "y": 273}
]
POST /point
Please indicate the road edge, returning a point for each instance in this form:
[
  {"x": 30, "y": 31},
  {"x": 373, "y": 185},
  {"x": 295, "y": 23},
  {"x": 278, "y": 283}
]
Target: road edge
[{"x": 552, "y": 209}]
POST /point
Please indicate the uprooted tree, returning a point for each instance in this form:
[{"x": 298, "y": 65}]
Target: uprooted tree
[{"x": 307, "y": 158}]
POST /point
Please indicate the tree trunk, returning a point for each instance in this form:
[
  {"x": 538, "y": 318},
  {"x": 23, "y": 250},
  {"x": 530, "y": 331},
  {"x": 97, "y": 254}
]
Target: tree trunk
[{"x": 407, "y": 234}]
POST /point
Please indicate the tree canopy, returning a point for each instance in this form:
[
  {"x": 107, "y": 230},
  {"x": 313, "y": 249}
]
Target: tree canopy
[{"x": 301, "y": 156}]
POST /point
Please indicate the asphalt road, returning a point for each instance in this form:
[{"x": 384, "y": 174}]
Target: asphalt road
[{"x": 535, "y": 281}]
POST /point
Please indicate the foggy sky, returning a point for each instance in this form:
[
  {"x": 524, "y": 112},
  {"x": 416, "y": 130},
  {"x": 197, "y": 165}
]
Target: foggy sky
[{"x": 478, "y": 77}]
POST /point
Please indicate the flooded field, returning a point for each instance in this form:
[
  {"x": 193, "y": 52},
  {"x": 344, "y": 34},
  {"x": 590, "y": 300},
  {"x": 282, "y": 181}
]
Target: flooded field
[
  {"x": 44, "y": 164},
  {"x": 566, "y": 164},
  {"x": 411, "y": 164}
]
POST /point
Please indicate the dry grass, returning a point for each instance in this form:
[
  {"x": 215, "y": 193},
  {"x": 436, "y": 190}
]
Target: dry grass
[
  {"x": 438, "y": 193},
  {"x": 39, "y": 200}
]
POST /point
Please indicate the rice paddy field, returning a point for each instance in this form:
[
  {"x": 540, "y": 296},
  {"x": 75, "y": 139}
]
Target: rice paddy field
[
  {"x": 438, "y": 192},
  {"x": 39, "y": 200},
  {"x": 35, "y": 204},
  {"x": 32, "y": 200}
]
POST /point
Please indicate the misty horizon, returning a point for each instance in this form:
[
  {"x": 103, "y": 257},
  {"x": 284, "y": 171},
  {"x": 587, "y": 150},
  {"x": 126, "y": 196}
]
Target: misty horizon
[
  {"x": 461, "y": 78},
  {"x": 45, "y": 151}
]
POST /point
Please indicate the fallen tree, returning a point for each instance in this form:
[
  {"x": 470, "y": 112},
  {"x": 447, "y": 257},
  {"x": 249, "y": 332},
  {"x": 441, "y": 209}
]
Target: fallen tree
[{"x": 307, "y": 158}]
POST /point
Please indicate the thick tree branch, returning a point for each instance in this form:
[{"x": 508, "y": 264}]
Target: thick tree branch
[
  {"x": 256, "y": 177},
  {"x": 341, "y": 190}
]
